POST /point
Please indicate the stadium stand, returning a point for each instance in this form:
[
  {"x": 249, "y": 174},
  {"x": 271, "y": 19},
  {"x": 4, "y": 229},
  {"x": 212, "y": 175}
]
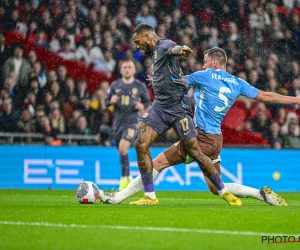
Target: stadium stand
[{"x": 56, "y": 38}]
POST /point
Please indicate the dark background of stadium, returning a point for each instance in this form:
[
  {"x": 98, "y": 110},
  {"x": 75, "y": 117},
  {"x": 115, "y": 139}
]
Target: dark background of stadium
[{"x": 63, "y": 79}]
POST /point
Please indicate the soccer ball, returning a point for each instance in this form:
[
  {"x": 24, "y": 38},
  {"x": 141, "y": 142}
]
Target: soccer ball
[{"x": 87, "y": 192}]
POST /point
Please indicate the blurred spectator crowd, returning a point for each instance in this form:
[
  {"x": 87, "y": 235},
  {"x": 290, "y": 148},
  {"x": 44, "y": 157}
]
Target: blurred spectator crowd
[{"x": 261, "y": 38}]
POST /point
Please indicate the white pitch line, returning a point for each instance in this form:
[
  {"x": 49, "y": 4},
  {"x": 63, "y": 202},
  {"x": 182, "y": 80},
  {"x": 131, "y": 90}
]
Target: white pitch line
[{"x": 165, "y": 229}]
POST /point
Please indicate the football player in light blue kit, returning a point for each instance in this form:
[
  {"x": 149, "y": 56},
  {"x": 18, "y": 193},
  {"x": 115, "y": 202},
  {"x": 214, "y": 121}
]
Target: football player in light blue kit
[{"x": 215, "y": 93}]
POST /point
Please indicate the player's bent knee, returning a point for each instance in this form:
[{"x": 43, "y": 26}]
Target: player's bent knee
[{"x": 141, "y": 147}]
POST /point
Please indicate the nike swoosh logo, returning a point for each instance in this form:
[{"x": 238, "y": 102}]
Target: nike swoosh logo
[{"x": 187, "y": 132}]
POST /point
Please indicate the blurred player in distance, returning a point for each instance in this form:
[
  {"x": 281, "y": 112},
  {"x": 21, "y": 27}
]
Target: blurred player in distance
[
  {"x": 171, "y": 108},
  {"x": 216, "y": 90},
  {"x": 127, "y": 97}
]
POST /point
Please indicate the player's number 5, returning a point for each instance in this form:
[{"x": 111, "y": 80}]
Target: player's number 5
[{"x": 224, "y": 98}]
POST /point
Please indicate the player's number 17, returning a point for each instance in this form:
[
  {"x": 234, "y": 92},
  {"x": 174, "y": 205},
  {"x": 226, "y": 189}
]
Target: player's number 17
[{"x": 184, "y": 124}]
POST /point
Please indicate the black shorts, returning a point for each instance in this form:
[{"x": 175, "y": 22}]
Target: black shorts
[
  {"x": 162, "y": 119},
  {"x": 126, "y": 132}
]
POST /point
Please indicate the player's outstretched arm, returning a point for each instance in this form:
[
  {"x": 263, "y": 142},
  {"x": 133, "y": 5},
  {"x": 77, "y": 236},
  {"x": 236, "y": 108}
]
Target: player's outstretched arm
[
  {"x": 276, "y": 98},
  {"x": 181, "y": 51}
]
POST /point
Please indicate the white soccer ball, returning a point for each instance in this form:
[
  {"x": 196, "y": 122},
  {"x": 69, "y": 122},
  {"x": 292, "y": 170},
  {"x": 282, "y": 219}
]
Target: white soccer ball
[{"x": 87, "y": 192}]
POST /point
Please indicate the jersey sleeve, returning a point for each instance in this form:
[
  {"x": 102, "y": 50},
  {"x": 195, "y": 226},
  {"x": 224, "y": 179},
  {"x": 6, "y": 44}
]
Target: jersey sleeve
[
  {"x": 247, "y": 90},
  {"x": 195, "y": 79}
]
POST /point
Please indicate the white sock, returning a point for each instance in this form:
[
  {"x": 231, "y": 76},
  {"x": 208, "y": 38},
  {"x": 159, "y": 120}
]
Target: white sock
[
  {"x": 151, "y": 195},
  {"x": 243, "y": 191},
  {"x": 222, "y": 191},
  {"x": 134, "y": 187}
]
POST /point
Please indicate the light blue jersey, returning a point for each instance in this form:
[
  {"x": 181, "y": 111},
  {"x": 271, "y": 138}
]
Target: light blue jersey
[{"x": 215, "y": 93}]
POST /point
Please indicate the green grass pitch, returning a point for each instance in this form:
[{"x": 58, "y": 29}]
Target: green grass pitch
[{"x": 183, "y": 220}]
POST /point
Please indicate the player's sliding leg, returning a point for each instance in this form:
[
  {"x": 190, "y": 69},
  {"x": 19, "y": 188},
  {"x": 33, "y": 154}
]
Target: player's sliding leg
[
  {"x": 175, "y": 155},
  {"x": 192, "y": 147},
  {"x": 265, "y": 194},
  {"x": 146, "y": 136},
  {"x": 161, "y": 162},
  {"x": 123, "y": 153}
]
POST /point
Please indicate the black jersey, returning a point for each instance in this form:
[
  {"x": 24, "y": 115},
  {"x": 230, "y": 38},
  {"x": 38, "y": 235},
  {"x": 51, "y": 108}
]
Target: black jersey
[
  {"x": 124, "y": 109},
  {"x": 168, "y": 87}
]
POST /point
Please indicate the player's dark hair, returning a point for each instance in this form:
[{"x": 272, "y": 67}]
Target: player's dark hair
[
  {"x": 218, "y": 54},
  {"x": 143, "y": 27}
]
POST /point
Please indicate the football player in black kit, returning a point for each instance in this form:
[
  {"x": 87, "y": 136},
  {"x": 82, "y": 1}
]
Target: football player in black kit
[
  {"x": 129, "y": 97},
  {"x": 171, "y": 108}
]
